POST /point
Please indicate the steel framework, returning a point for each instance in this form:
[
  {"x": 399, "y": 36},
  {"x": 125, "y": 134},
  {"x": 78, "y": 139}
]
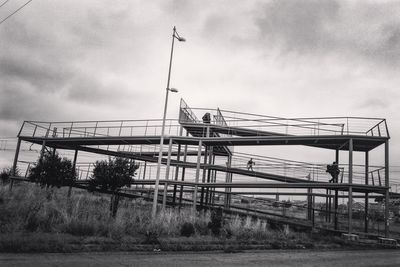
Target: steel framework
[{"x": 201, "y": 162}]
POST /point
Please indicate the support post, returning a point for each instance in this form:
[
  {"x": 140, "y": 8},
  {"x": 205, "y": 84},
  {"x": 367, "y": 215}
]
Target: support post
[
  {"x": 210, "y": 161},
  {"x": 213, "y": 180},
  {"x": 350, "y": 202},
  {"x": 167, "y": 175},
  {"x": 15, "y": 163},
  {"x": 327, "y": 206},
  {"x": 203, "y": 180},
  {"x": 366, "y": 213},
  {"x": 178, "y": 158},
  {"x": 336, "y": 193},
  {"x": 309, "y": 200},
  {"x": 42, "y": 150},
  {"x": 228, "y": 180},
  {"x": 197, "y": 178},
  {"x": 387, "y": 188},
  {"x": 73, "y": 169},
  {"x": 183, "y": 175}
]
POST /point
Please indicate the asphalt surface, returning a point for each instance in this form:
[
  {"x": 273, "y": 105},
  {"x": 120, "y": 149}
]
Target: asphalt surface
[{"x": 259, "y": 258}]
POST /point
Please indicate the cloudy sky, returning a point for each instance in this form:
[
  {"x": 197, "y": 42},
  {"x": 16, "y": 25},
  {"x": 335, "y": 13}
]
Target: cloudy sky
[{"x": 97, "y": 60}]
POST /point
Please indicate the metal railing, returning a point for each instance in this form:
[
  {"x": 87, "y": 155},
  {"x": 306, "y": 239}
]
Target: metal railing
[
  {"x": 261, "y": 124},
  {"x": 113, "y": 128}
]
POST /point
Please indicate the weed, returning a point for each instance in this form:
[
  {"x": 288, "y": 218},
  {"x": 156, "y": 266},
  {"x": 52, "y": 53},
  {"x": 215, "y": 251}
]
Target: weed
[{"x": 187, "y": 229}]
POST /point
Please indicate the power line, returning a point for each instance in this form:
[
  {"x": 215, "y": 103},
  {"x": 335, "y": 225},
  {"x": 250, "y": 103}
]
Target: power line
[
  {"x": 5, "y": 2},
  {"x": 21, "y": 7}
]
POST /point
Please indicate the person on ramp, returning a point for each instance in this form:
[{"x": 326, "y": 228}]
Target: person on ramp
[
  {"x": 334, "y": 171},
  {"x": 250, "y": 164},
  {"x": 207, "y": 118}
]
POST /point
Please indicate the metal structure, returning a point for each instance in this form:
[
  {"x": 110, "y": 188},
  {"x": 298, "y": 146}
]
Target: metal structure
[{"x": 202, "y": 169}]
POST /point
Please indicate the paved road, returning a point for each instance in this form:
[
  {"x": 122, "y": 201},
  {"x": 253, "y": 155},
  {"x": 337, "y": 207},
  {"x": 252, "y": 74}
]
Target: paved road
[{"x": 259, "y": 258}]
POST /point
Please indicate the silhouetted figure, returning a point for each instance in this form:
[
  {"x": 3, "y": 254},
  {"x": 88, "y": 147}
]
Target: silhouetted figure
[
  {"x": 250, "y": 164},
  {"x": 334, "y": 171},
  {"x": 207, "y": 118}
]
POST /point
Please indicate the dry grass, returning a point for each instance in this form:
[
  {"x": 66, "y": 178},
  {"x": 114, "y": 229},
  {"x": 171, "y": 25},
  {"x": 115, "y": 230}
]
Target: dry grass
[
  {"x": 30, "y": 208},
  {"x": 31, "y": 214}
]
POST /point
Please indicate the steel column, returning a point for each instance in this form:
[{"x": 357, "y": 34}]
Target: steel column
[
  {"x": 309, "y": 200},
  {"x": 228, "y": 180},
  {"x": 366, "y": 215},
  {"x": 178, "y": 157},
  {"x": 214, "y": 180},
  {"x": 73, "y": 169},
  {"x": 387, "y": 190},
  {"x": 210, "y": 161},
  {"x": 336, "y": 193},
  {"x": 167, "y": 174},
  {"x": 197, "y": 178},
  {"x": 183, "y": 174},
  {"x": 204, "y": 177},
  {"x": 15, "y": 163},
  {"x": 350, "y": 203}
]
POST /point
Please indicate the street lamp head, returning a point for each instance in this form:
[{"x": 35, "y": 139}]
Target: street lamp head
[
  {"x": 181, "y": 39},
  {"x": 173, "y": 90}
]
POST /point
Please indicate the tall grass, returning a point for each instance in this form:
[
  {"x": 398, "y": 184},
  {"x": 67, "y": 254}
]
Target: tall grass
[{"x": 30, "y": 208}]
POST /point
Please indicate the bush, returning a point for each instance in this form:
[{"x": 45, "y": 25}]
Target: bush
[
  {"x": 6, "y": 173},
  {"x": 52, "y": 170},
  {"x": 187, "y": 229},
  {"x": 112, "y": 175},
  {"x": 201, "y": 227},
  {"x": 79, "y": 228},
  {"x": 247, "y": 229},
  {"x": 151, "y": 238},
  {"x": 216, "y": 221}
]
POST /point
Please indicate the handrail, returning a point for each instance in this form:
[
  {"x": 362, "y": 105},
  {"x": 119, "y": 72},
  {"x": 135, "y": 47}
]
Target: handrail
[
  {"x": 92, "y": 128},
  {"x": 336, "y": 124}
]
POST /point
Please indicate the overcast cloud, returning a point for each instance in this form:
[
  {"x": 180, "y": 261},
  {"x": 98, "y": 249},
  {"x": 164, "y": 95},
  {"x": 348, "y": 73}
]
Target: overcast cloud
[{"x": 78, "y": 60}]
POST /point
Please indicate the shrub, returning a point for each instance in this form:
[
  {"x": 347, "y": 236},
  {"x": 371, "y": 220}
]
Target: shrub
[
  {"x": 112, "y": 175},
  {"x": 52, "y": 170},
  {"x": 79, "y": 228},
  {"x": 216, "y": 221},
  {"x": 201, "y": 227},
  {"x": 151, "y": 238},
  {"x": 187, "y": 229},
  {"x": 6, "y": 173},
  {"x": 247, "y": 228}
]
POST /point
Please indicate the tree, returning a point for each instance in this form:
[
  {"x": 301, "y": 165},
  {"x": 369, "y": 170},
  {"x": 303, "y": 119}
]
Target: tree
[
  {"x": 112, "y": 175},
  {"x": 52, "y": 170}
]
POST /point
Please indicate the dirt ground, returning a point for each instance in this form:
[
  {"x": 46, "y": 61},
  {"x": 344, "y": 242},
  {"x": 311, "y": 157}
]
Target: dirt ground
[{"x": 254, "y": 258}]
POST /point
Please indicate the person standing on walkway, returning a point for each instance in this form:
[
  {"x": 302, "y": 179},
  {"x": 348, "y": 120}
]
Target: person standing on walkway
[
  {"x": 250, "y": 164},
  {"x": 334, "y": 171}
]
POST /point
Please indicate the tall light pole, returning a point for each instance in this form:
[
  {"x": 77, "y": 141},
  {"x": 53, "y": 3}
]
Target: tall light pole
[{"x": 175, "y": 35}]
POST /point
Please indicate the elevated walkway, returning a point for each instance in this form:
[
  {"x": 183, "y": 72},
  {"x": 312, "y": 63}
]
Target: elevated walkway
[
  {"x": 324, "y": 132},
  {"x": 203, "y": 140}
]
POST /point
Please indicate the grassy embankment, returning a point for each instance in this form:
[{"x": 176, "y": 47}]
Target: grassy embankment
[{"x": 35, "y": 219}]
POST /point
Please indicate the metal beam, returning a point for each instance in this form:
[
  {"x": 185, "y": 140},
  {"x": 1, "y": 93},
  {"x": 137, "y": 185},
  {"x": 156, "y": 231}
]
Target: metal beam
[
  {"x": 360, "y": 143},
  {"x": 15, "y": 163},
  {"x": 197, "y": 179},
  {"x": 387, "y": 190},
  {"x": 167, "y": 174},
  {"x": 350, "y": 203},
  {"x": 336, "y": 193},
  {"x": 366, "y": 215}
]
